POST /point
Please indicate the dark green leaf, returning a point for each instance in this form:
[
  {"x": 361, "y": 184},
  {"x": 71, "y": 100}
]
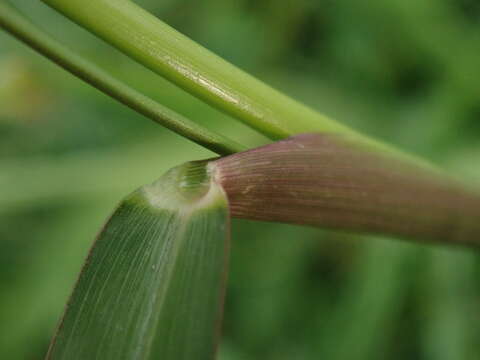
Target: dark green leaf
[{"x": 153, "y": 284}]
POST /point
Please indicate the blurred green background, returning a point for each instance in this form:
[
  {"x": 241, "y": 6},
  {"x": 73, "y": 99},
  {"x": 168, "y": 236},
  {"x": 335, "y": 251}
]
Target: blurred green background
[{"x": 404, "y": 71}]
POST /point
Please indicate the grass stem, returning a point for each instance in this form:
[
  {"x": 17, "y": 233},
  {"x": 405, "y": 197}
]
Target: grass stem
[
  {"x": 16, "y": 24},
  {"x": 156, "y": 45}
]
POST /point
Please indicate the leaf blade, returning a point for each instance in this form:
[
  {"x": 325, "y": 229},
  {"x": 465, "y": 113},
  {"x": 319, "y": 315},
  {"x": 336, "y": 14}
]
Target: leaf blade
[{"x": 142, "y": 290}]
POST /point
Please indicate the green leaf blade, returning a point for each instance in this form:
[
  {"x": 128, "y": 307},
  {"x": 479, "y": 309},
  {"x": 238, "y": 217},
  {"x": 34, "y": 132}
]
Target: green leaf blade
[
  {"x": 191, "y": 277},
  {"x": 153, "y": 284}
]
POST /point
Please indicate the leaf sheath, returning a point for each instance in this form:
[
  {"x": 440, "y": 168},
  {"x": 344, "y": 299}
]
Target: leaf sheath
[{"x": 325, "y": 181}]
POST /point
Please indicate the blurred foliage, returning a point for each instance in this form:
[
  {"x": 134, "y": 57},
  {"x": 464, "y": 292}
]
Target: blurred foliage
[{"x": 404, "y": 71}]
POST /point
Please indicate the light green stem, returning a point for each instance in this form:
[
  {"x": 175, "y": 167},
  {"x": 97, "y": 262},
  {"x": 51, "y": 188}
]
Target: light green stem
[
  {"x": 153, "y": 43},
  {"x": 13, "y": 22},
  {"x": 164, "y": 50}
]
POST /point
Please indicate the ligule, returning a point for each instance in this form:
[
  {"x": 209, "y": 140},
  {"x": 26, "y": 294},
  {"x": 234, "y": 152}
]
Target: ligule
[{"x": 327, "y": 181}]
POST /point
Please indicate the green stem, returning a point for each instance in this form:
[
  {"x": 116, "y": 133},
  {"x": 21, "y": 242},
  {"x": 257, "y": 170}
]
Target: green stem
[
  {"x": 161, "y": 48},
  {"x": 13, "y": 22}
]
